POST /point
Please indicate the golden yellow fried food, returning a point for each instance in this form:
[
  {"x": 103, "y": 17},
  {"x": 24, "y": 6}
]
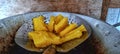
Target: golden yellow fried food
[
  {"x": 54, "y": 38},
  {"x": 56, "y": 32},
  {"x": 39, "y": 24},
  {"x": 61, "y": 25},
  {"x": 58, "y": 18},
  {"x": 67, "y": 46},
  {"x": 30, "y": 34},
  {"x": 71, "y": 36},
  {"x": 41, "y": 38},
  {"x": 80, "y": 28},
  {"x": 68, "y": 29},
  {"x": 51, "y": 23}
]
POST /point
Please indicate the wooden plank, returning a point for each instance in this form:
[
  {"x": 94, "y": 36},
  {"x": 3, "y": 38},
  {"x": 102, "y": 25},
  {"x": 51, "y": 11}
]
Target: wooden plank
[
  {"x": 115, "y": 4},
  {"x": 105, "y": 6},
  {"x": 112, "y": 16}
]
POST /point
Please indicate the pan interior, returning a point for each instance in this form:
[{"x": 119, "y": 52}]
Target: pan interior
[{"x": 21, "y": 37}]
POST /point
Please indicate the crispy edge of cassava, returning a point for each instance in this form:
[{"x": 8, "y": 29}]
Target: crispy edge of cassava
[
  {"x": 61, "y": 25},
  {"x": 68, "y": 29},
  {"x": 39, "y": 24}
]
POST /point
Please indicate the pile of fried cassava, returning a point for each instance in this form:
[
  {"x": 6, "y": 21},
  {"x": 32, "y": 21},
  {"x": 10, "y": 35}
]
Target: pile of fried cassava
[{"x": 56, "y": 32}]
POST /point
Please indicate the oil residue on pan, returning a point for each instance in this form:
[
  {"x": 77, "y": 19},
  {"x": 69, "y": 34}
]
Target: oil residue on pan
[{"x": 88, "y": 47}]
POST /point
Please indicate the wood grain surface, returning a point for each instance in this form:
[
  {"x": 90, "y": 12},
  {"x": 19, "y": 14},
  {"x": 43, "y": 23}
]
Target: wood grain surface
[
  {"x": 105, "y": 6},
  {"x": 115, "y": 4}
]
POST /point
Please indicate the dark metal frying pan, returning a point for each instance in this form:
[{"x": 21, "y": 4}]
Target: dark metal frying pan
[
  {"x": 21, "y": 37},
  {"x": 105, "y": 39}
]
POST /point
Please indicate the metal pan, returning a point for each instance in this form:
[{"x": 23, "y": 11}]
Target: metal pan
[
  {"x": 105, "y": 39},
  {"x": 21, "y": 37}
]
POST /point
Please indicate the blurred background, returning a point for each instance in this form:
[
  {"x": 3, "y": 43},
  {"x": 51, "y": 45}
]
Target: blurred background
[{"x": 106, "y": 10}]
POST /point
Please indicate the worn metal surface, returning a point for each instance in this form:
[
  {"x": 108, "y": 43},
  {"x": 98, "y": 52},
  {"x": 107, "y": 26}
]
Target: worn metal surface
[
  {"x": 105, "y": 38},
  {"x": 108, "y": 34}
]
